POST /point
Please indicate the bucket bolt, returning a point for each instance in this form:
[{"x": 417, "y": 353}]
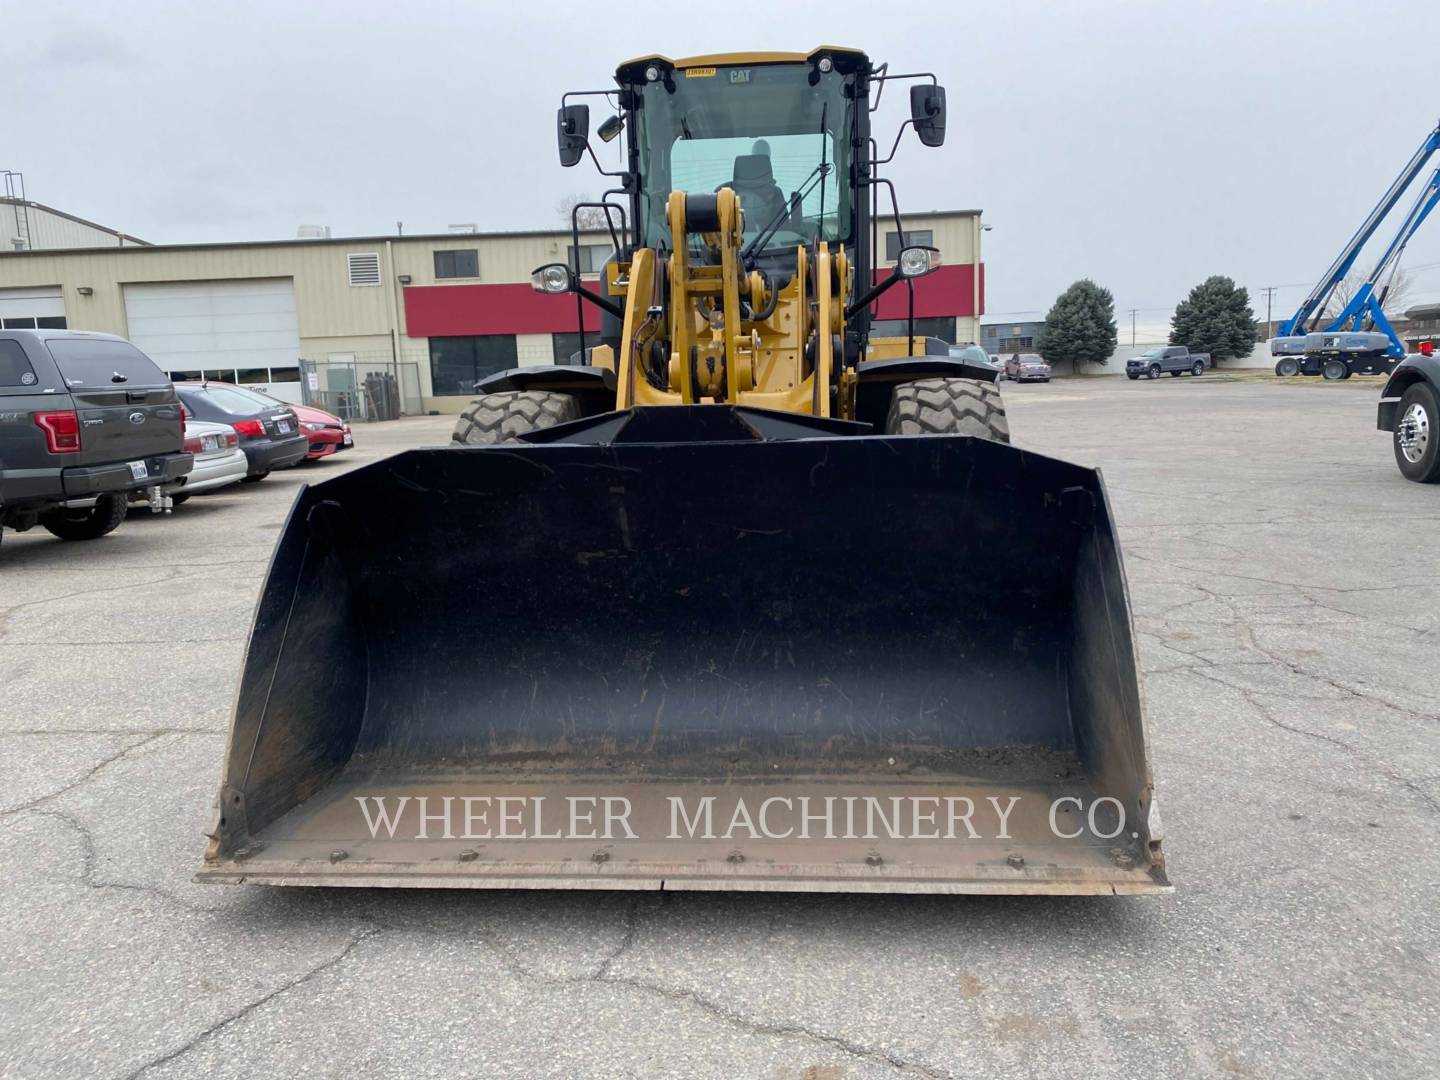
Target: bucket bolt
[{"x": 1015, "y": 862}]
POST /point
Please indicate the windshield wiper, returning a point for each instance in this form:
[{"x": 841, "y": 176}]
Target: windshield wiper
[{"x": 820, "y": 171}]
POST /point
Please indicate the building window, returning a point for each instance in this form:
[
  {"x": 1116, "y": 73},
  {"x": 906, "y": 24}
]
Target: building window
[
  {"x": 942, "y": 328},
  {"x": 364, "y": 268},
  {"x": 458, "y": 363},
  {"x": 592, "y": 257},
  {"x": 913, "y": 238},
  {"x": 1017, "y": 344},
  {"x": 567, "y": 345},
  {"x": 457, "y": 264},
  {"x": 50, "y": 322}
]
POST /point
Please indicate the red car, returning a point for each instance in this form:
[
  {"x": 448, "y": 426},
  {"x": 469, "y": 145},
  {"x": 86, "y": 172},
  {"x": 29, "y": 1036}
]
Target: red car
[{"x": 328, "y": 434}]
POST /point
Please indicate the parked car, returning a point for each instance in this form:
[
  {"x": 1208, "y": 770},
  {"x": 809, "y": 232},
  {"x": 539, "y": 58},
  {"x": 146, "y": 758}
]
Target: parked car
[
  {"x": 328, "y": 434},
  {"x": 974, "y": 354},
  {"x": 269, "y": 432},
  {"x": 1175, "y": 359},
  {"x": 219, "y": 462},
  {"x": 85, "y": 419},
  {"x": 1027, "y": 367}
]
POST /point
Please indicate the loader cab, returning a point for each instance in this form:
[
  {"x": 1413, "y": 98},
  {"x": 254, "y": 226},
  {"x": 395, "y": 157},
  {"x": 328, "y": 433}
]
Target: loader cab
[{"x": 779, "y": 133}]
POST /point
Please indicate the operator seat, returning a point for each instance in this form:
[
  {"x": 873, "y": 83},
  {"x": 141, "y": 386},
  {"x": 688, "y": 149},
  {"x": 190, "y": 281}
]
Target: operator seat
[{"x": 760, "y": 196}]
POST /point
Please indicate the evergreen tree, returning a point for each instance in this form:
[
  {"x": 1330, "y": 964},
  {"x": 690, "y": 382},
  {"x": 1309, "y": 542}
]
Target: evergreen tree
[
  {"x": 1215, "y": 318},
  {"x": 1080, "y": 326}
]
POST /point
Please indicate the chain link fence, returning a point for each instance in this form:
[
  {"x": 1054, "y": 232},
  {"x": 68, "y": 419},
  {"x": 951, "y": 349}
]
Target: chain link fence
[{"x": 362, "y": 386}]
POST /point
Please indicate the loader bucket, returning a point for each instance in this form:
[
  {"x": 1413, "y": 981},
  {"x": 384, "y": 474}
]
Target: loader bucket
[{"x": 831, "y": 662}]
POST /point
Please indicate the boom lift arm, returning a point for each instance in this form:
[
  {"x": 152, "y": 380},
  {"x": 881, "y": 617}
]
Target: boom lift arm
[{"x": 1364, "y": 305}]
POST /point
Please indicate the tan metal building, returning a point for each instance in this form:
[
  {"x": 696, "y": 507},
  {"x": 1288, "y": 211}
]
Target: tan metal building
[{"x": 324, "y": 319}]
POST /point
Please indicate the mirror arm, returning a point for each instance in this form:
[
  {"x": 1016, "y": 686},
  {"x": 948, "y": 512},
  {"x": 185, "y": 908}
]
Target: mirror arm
[
  {"x": 604, "y": 303},
  {"x": 886, "y": 161},
  {"x": 596, "y": 161},
  {"x": 872, "y": 294}
]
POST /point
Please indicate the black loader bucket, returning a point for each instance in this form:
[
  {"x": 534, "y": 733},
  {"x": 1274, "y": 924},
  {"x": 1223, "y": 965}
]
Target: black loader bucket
[{"x": 716, "y": 649}]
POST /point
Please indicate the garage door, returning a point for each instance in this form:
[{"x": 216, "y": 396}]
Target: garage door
[
  {"x": 32, "y": 309},
  {"x": 237, "y": 331}
]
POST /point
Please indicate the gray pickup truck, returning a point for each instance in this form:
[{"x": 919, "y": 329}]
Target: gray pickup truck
[
  {"x": 85, "y": 419},
  {"x": 1175, "y": 359}
]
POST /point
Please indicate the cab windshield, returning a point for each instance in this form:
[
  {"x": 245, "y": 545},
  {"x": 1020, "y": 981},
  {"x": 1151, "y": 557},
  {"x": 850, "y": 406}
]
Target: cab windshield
[{"x": 762, "y": 130}]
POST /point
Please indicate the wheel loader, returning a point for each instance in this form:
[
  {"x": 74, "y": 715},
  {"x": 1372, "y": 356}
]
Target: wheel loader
[{"x": 748, "y": 596}]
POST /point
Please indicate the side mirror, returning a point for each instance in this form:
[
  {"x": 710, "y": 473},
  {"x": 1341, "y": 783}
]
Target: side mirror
[
  {"x": 574, "y": 132},
  {"x": 610, "y": 128},
  {"x": 917, "y": 261},
  {"x": 553, "y": 278},
  {"x": 927, "y": 110}
]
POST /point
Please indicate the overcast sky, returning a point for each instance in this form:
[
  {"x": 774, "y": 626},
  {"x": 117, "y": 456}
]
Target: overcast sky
[{"x": 1145, "y": 145}]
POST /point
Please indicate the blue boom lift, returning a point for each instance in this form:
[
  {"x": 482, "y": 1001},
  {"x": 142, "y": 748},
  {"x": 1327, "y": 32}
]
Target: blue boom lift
[{"x": 1360, "y": 340}]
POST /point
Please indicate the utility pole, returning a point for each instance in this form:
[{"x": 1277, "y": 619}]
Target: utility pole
[
  {"x": 1269, "y": 291},
  {"x": 1132, "y": 326}
]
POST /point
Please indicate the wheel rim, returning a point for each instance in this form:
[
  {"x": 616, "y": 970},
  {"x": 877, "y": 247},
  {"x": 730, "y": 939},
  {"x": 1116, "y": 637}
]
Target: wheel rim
[
  {"x": 1154, "y": 373},
  {"x": 1413, "y": 433},
  {"x": 1334, "y": 370}
]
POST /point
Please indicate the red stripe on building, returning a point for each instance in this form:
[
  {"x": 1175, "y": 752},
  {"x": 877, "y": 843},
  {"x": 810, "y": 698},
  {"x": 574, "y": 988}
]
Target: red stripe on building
[
  {"x": 947, "y": 291},
  {"x": 465, "y": 310}
]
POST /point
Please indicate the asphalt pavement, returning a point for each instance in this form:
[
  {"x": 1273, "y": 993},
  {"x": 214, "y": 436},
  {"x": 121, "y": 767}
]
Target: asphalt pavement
[{"x": 1286, "y": 589}]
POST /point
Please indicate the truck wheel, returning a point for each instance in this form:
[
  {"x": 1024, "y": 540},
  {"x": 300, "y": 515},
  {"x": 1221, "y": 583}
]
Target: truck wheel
[
  {"x": 1198, "y": 368},
  {"x": 500, "y": 418},
  {"x": 948, "y": 407},
  {"x": 255, "y": 478},
  {"x": 1287, "y": 367},
  {"x": 1154, "y": 371},
  {"x": 88, "y": 524},
  {"x": 1417, "y": 435},
  {"x": 1334, "y": 370}
]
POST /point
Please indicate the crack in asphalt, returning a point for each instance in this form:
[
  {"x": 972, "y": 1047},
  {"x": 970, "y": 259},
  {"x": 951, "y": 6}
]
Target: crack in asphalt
[
  {"x": 710, "y": 1007},
  {"x": 246, "y": 1010},
  {"x": 42, "y": 799},
  {"x": 1252, "y": 697},
  {"x": 89, "y": 865}
]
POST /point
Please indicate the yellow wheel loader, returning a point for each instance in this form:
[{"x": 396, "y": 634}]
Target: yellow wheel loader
[{"x": 746, "y": 596}]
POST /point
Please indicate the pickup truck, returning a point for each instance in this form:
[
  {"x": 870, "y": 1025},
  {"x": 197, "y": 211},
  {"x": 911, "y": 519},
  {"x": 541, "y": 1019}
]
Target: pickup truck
[
  {"x": 1410, "y": 411},
  {"x": 1176, "y": 359},
  {"x": 85, "y": 419}
]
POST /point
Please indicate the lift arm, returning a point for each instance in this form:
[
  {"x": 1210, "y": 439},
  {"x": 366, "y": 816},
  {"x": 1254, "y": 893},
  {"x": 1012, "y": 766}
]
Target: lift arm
[{"x": 1315, "y": 303}]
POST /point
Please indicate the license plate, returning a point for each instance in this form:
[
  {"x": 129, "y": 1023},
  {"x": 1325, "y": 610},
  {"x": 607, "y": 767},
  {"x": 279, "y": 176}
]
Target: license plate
[
  {"x": 282, "y": 426},
  {"x": 349, "y": 439},
  {"x": 210, "y": 442},
  {"x": 138, "y": 470}
]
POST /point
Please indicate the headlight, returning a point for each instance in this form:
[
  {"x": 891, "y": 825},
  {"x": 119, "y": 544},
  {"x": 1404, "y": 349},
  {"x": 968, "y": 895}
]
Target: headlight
[
  {"x": 314, "y": 427},
  {"x": 917, "y": 261},
  {"x": 551, "y": 278}
]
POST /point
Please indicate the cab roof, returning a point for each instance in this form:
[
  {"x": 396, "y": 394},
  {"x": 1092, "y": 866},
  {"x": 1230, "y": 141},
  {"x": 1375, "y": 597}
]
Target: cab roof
[{"x": 729, "y": 59}]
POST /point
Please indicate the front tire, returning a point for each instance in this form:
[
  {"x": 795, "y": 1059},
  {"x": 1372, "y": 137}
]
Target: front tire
[
  {"x": 1287, "y": 367},
  {"x": 88, "y": 524},
  {"x": 1131, "y": 377},
  {"x": 502, "y": 418},
  {"x": 1417, "y": 435},
  {"x": 1197, "y": 369},
  {"x": 948, "y": 407},
  {"x": 1154, "y": 371},
  {"x": 1335, "y": 370}
]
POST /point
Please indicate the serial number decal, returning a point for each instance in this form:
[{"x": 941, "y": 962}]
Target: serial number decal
[{"x": 699, "y": 73}]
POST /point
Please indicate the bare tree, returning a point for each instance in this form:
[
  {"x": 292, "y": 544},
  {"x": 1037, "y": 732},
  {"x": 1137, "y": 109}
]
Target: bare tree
[
  {"x": 588, "y": 217},
  {"x": 1396, "y": 297}
]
